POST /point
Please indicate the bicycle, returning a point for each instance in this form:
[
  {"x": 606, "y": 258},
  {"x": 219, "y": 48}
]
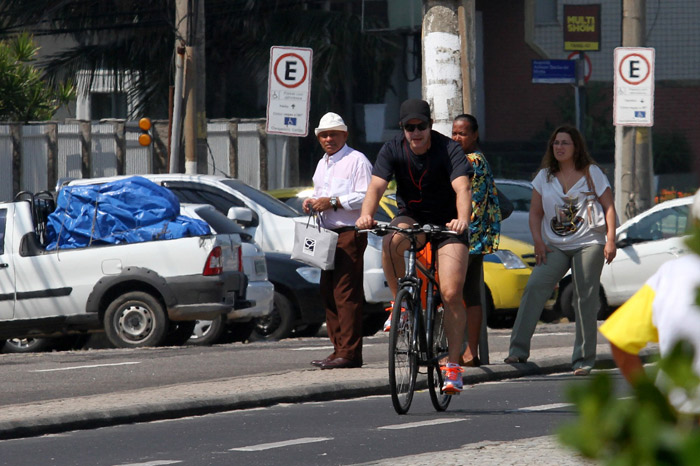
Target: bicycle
[{"x": 417, "y": 335}]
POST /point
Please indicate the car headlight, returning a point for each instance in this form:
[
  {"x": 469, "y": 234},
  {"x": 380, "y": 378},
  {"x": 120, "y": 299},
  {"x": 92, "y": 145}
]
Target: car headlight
[
  {"x": 374, "y": 241},
  {"x": 509, "y": 259},
  {"x": 310, "y": 274}
]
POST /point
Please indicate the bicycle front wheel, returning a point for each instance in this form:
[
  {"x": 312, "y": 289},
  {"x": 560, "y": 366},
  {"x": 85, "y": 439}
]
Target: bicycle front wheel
[
  {"x": 403, "y": 357},
  {"x": 437, "y": 344}
]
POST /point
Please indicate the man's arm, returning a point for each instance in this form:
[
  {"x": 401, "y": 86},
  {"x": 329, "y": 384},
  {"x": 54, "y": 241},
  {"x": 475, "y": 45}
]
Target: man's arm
[
  {"x": 376, "y": 188},
  {"x": 463, "y": 189},
  {"x": 629, "y": 364}
]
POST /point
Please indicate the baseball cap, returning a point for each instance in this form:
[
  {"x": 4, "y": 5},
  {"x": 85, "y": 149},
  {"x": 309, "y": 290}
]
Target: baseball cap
[
  {"x": 414, "y": 109},
  {"x": 331, "y": 122}
]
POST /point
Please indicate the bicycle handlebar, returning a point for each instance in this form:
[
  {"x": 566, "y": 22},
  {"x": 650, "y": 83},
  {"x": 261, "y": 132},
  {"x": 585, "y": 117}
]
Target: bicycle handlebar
[{"x": 381, "y": 229}]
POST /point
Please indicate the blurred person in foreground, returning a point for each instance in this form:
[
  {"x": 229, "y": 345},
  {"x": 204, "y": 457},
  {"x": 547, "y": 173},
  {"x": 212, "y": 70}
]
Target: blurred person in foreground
[
  {"x": 432, "y": 187},
  {"x": 565, "y": 238},
  {"x": 663, "y": 311},
  {"x": 484, "y": 229},
  {"x": 340, "y": 182}
]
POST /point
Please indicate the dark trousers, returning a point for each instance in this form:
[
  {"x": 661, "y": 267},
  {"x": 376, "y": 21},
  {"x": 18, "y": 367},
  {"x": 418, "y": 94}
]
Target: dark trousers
[{"x": 343, "y": 296}]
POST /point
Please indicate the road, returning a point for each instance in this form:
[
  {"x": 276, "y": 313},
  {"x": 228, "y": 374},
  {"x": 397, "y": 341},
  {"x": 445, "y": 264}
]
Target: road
[
  {"x": 364, "y": 430},
  {"x": 36, "y": 377}
]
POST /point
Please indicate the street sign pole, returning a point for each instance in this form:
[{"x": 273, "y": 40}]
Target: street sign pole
[{"x": 580, "y": 95}]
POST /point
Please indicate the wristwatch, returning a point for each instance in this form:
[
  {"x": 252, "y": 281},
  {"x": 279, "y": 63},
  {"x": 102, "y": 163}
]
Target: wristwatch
[{"x": 334, "y": 203}]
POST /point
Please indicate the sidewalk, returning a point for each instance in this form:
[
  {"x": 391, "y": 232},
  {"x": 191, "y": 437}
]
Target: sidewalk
[{"x": 306, "y": 384}]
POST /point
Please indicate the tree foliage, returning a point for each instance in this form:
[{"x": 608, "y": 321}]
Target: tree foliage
[
  {"x": 24, "y": 94},
  {"x": 135, "y": 39}
]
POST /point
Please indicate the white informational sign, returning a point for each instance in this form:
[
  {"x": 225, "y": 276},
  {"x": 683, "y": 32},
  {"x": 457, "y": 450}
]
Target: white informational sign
[
  {"x": 634, "y": 87},
  {"x": 289, "y": 86}
]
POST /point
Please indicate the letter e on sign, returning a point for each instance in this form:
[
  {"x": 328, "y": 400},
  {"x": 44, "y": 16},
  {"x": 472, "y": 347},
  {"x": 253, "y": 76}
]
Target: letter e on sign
[
  {"x": 289, "y": 85},
  {"x": 290, "y": 70}
]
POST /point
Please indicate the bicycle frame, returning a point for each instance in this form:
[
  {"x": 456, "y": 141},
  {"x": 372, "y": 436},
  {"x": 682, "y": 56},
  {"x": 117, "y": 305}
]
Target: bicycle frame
[{"x": 422, "y": 327}]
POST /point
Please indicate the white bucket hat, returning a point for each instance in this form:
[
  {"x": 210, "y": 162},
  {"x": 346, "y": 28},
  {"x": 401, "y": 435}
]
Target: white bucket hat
[{"x": 331, "y": 122}]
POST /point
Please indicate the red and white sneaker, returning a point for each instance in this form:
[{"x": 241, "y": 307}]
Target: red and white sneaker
[
  {"x": 387, "y": 324},
  {"x": 453, "y": 379}
]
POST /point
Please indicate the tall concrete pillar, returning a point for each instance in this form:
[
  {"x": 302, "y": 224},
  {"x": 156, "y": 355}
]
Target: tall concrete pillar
[
  {"x": 442, "y": 62},
  {"x": 633, "y": 154}
]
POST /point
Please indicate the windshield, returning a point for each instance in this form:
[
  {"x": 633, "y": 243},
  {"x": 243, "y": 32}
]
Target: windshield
[
  {"x": 266, "y": 201},
  {"x": 518, "y": 194}
]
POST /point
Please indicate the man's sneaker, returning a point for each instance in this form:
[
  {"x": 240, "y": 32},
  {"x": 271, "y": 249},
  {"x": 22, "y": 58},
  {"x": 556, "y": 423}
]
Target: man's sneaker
[
  {"x": 453, "y": 379},
  {"x": 387, "y": 324}
]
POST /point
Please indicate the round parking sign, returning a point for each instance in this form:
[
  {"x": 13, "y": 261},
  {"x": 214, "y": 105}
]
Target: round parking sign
[
  {"x": 634, "y": 69},
  {"x": 290, "y": 70}
]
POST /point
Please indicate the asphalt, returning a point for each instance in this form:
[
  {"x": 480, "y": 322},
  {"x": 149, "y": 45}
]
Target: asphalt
[{"x": 233, "y": 393}]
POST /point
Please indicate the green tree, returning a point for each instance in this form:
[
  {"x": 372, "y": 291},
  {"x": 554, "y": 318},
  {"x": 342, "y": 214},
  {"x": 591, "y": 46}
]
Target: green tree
[
  {"x": 135, "y": 39},
  {"x": 24, "y": 94}
]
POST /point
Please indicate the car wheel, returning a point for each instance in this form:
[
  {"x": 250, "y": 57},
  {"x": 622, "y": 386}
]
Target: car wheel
[
  {"x": 135, "y": 319},
  {"x": 566, "y": 303},
  {"x": 26, "y": 345},
  {"x": 207, "y": 332},
  {"x": 276, "y": 325}
]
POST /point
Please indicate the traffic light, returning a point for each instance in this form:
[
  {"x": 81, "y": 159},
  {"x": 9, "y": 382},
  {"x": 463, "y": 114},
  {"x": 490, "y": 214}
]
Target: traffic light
[{"x": 145, "y": 138}]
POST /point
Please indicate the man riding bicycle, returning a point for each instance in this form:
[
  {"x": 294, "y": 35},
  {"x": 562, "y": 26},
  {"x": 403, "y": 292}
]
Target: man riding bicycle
[{"x": 433, "y": 185}]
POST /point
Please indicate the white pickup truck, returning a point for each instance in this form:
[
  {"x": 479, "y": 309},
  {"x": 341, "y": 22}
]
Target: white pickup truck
[{"x": 136, "y": 293}]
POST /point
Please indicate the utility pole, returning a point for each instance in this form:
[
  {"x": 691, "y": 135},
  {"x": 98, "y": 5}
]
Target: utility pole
[
  {"x": 189, "y": 17},
  {"x": 449, "y": 82},
  {"x": 442, "y": 64},
  {"x": 633, "y": 154}
]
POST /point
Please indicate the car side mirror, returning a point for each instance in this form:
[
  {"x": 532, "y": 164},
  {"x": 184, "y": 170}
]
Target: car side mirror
[
  {"x": 242, "y": 215},
  {"x": 622, "y": 240}
]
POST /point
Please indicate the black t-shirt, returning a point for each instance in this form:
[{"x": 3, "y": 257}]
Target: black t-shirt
[{"x": 424, "y": 182}]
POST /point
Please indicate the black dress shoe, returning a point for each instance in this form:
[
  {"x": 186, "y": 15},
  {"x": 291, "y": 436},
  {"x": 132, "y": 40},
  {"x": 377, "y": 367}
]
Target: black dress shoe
[
  {"x": 339, "y": 363},
  {"x": 320, "y": 362}
]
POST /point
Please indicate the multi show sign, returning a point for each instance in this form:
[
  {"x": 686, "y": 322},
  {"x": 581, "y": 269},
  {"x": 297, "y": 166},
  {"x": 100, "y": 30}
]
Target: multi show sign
[{"x": 582, "y": 28}]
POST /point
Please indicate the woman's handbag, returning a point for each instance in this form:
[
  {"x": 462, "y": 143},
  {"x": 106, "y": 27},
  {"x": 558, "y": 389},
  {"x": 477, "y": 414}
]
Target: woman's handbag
[
  {"x": 314, "y": 245},
  {"x": 505, "y": 205},
  {"x": 595, "y": 215}
]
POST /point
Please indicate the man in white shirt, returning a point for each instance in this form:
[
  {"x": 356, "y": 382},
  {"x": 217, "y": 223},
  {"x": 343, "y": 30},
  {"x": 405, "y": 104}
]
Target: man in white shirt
[{"x": 340, "y": 183}]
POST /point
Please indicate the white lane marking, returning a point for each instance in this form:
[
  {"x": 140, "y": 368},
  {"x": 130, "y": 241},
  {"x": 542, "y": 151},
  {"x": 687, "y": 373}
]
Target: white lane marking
[
  {"x": 532, "y": 409},
  {"x": 555, "y": 334},
  {"x": 91, "y": 366},
  {"x": 286, "y": 443},
  {"x": 314, "y": 348},
  {"x": 411, "y": 425},
  {"x": 152, "y": 463}
]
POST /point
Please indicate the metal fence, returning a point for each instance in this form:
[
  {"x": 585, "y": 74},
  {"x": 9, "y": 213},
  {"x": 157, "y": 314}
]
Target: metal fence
[{"x": 34, "y": 156}]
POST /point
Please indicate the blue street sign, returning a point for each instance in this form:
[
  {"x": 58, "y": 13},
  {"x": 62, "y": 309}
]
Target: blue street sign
[{"x": 553, "y": 72}]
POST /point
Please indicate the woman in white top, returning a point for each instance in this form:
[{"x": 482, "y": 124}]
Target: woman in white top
[{"x": 565, "y": 187}]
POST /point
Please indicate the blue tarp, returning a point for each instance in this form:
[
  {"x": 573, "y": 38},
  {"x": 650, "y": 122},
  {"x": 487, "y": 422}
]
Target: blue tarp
[{"x": 130, "y": 210}]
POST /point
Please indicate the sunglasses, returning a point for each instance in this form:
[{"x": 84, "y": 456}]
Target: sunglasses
[{"x": 411, "y": 127}]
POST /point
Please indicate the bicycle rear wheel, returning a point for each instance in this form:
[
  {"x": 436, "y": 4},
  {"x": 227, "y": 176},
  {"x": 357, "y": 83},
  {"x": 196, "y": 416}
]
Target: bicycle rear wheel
[
  {"x": 403, "y": 357},
  {"x": 437, "y": 344}
]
